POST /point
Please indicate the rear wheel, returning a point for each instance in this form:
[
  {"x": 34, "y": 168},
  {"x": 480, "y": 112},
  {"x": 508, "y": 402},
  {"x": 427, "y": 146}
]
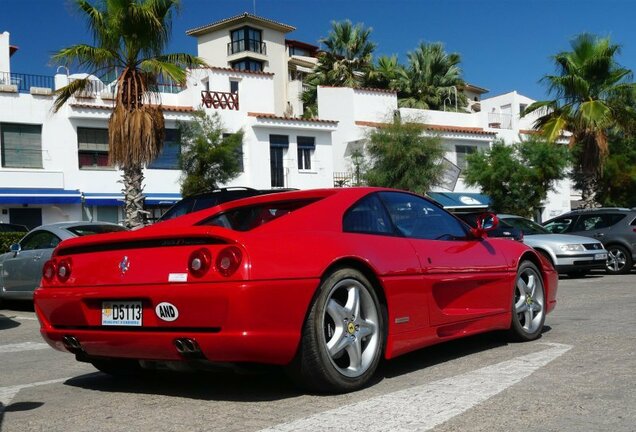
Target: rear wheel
[
  {"x": 528, "y": 305},
  {"x": 343, "y": 337},
  {"x": 619, "y": 260}
]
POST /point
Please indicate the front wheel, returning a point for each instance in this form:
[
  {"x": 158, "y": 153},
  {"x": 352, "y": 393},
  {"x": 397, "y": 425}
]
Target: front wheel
[
  {"x": 344, "y": 335},
  {"x": 528, "y": 304},
  {"x": 619, "y": 260}
]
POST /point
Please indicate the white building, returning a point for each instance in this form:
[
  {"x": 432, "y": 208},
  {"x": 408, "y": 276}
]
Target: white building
[{"x": 54, "y": 166}]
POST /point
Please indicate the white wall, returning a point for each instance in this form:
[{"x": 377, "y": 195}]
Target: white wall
[{"x": 5, "y": 63}]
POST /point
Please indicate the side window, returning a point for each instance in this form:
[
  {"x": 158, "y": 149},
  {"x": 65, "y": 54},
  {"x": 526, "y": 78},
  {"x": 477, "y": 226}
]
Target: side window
[
  {"x": 40, "y": 240},
  {"x": 416, "y": 217},
  {"x": 367, "y": 216},
  {"x": 593, "y": 222},
  {"x": 561, "y": 225}
]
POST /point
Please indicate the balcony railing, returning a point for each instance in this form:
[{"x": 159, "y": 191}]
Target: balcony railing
[
  {"x": 24, "y": 82},
  {"x": 222, "y": 100},
  {"x": 241, "y": 45},
  {"x": 499, "y": 120}
]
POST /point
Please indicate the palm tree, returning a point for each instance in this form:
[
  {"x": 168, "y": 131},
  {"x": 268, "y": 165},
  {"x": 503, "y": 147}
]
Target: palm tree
[
  {"x": 589, "y": 89},
  {"x": 345, "y": 62},
  {"x": 431, "y": 78},
  {"x": 387, "y": 73},
  {"x": 129, "y": 39}
]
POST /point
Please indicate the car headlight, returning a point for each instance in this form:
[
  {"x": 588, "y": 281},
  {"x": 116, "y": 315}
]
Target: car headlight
[{"x": 572, "y": 248}]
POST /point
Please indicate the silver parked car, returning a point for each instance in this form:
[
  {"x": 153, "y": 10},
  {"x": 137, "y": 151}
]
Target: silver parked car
[
  {"x": 571, "y": 254},
  {"x": 21, "y": 267}
]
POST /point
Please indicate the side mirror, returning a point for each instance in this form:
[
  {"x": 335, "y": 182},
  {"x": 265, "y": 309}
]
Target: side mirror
[
  {"x": 485, "y": 222},
  {"x": 15, "y": 248}
]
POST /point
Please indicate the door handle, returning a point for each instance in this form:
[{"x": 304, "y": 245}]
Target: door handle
[{"x": 599, "y": 235}]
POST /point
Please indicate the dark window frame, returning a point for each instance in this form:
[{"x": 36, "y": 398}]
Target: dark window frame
[
  {"x": 23, "y": 129},
  {"x": 99, "y": 157},
  {"x": 247, "y": 39}
]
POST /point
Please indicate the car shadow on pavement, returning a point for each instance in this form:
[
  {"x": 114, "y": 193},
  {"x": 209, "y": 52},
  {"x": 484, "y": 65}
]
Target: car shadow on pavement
[
  {"x": 18, "y": 305},
  {"x": 6, "y": 322},
  {"x": 18, "y": 406},
  {"x": 269, "y": 385}
]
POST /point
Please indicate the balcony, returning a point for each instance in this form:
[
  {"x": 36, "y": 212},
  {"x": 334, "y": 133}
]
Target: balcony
[
  {"x": 23, "y": 82},
  {"x": 241, "y": 45},
  {"x": 220, "y": 100},
  {"x": 499, "y": 120}
]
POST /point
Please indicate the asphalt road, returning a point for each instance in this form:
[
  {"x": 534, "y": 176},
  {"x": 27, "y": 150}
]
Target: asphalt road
[{"x": 579, "y": 376}]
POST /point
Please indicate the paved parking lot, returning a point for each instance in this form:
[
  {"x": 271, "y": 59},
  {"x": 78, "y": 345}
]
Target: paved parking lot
[{"x": 578, "y": 376}]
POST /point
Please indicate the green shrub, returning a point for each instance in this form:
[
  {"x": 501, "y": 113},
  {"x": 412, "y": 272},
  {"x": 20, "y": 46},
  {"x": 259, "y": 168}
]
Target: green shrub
[{"x": 9, "y": 238}]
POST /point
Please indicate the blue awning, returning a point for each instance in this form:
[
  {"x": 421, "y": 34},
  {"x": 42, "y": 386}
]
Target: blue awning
[
  {"x": 115, "y": 199},
  {"x": 39, "y": 196},
  {"x": 461, "y": 200}
]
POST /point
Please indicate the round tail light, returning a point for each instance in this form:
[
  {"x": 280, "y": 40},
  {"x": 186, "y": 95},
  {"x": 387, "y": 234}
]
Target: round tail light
[
  {"x": 199, "y": 262},
  {"x": 64, "y": 270},
  {"x": 49, "y": 270},
  {"x": 228, "y": 260}
]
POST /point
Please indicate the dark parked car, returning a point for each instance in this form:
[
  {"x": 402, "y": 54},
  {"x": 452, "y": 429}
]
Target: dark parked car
[
  {"x": 614, "y": 227},
  {"x": 8, "y": 227},
  {"x": 502, "y": 230},
  {"x": 210, "y": 199}
]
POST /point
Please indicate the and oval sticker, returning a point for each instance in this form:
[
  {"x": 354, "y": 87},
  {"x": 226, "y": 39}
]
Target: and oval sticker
[{"x": 167, "y": 311}]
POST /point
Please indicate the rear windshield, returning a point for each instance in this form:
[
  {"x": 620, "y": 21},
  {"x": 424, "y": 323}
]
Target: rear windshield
[
  {"x": 250, "y": 217},
  {"x": 192, "y": 204},
  {"x": 82, "y": 230}
]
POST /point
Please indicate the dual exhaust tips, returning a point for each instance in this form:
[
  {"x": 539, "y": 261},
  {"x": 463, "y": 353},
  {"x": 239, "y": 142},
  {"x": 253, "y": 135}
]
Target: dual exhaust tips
[{"x": 188, "y": 348}]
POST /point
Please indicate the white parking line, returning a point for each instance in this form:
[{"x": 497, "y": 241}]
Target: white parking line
[
  {"x": 25, "y": 346},
  {"x": 8, "y": 393},
  {"x": 423, "y": 407}
]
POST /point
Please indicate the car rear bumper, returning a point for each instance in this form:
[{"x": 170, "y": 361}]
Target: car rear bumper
[{"x": 231, "y": 322}]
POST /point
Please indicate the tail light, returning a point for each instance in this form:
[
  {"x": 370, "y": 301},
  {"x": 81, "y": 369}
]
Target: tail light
[
  {"x": 199, "y": 262},
  {"x": 64, "y": 270},
  {"x": 49, "y": 270},
  {"x": 228, "y": 260}
]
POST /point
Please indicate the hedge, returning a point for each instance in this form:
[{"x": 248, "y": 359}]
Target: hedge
[{"x": 9, "y": 238}]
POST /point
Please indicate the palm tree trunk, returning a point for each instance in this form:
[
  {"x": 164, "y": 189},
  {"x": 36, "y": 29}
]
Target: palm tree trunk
[
  {"x": 134, "y": 213},
  {"x": 588, "y": 192}
]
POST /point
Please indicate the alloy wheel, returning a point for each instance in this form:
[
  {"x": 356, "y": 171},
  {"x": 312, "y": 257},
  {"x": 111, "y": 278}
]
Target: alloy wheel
[
  {"x": 616, "y": 260},
  {"x": 529, "y": 300},
  {"x": 351, "y": 330}
]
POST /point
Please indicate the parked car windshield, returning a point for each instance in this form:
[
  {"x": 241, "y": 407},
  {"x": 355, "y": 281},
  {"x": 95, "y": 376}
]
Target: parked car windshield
[
  {"x": 526, "y": 225},
  {"x": 82, "y": 230}
]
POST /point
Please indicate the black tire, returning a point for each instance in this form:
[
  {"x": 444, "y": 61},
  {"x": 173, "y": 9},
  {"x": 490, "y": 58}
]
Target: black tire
[
  {"x": 528, "y": 303},
  {"x": 314, "y": 368},
  {"x": 619, "y": 260},
  {"x": 118, "y": 367}
]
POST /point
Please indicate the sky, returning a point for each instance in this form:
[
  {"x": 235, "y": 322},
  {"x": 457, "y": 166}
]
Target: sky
[{"x": 505, "y": 45}]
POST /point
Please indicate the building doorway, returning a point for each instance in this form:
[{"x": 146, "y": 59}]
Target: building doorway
[{"x": 30, "y": 217}]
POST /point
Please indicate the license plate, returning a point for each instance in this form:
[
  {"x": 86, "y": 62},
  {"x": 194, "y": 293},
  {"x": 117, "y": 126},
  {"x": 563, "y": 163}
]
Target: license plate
[
  {"x": 601, "y": 256},
  {"x": 121, "y": 313}
]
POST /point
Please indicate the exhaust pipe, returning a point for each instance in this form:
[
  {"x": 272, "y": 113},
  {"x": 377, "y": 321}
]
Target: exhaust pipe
[
  {"x": 72, "y": 344},
  {"x": 188, "y": 348}
]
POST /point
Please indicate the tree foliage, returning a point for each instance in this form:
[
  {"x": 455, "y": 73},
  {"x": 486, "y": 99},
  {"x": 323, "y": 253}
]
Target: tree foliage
[
  {"x": 208, "y": 159},
  {"x": 345, "y": 62},
  {"x": 432, "y": 79},
  {"x": 129, "y": 38},
  {"x": 402, "y": 157},
  {"x": 517, "y": 177},
  {"x": 589, "y": 91},
  {"x": 617, "y": 185}
]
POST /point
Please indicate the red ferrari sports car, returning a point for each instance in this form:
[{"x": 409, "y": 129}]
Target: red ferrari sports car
[{"x": 326, "y": 282}]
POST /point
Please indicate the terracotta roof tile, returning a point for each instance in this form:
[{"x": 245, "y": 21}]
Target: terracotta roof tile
[
  {"x": 171, "y": 108},
  {"x": 226, "y": 69},
  {"x": 441, "y": 128},
  {"x": 202, "y": 29},
  {"x": 297, "y": 119}
]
